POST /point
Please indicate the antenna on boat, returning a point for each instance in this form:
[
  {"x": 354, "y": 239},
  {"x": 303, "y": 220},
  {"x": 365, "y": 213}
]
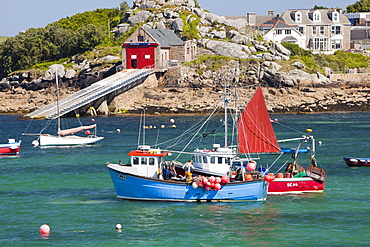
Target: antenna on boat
[
  {"x": 58, "y": 110},
  {"x": 225, "y": 115},
  {"x": 140, "y": 127}
]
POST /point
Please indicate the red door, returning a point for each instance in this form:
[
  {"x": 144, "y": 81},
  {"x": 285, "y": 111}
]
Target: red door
[{"x": 140, "y": 56}]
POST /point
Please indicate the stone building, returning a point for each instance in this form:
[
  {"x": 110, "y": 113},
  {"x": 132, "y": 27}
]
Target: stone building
[{"x": 156, "y": 48}]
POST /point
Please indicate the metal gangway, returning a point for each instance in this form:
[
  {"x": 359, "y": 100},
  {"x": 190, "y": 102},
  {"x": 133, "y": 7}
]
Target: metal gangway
[{"x": 121, "y": 81}]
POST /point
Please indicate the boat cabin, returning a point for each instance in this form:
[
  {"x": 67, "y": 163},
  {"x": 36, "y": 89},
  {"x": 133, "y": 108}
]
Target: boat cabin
[
  {"x": 216, "y": 160},
  {"x": 146, "y": 161}
]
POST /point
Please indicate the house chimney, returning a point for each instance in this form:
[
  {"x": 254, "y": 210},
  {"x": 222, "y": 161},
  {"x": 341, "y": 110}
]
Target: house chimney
[
  {"x": 271, "y": 12},
  {"x": 251, "y": 18}
]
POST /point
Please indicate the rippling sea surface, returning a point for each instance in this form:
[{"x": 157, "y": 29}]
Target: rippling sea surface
[{"x": 70, "y": 190}]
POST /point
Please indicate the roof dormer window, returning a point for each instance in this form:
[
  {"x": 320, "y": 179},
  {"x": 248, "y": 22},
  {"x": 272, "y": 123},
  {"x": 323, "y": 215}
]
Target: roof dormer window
[
  {"x": 316, "y": 16},
  {"x": 335, "y": 16},
  {"x": 298, "y": 17}
]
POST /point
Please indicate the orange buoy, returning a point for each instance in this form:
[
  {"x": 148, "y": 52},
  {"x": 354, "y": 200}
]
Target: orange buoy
[{"x": 279, "y": 175}]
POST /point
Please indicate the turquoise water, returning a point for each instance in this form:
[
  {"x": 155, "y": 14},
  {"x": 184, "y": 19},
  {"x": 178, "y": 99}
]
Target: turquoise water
[{"x": 70, "y": 190}]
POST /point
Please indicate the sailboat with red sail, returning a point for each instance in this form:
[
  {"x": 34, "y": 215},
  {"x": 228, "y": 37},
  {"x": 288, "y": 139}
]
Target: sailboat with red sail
[{"x": 256, "y": 137}]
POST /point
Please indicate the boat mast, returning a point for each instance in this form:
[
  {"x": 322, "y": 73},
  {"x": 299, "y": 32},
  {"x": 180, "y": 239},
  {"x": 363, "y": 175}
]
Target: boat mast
[
  {"x": 58, "y": 110},
  {"x": 225, "y": 114}
]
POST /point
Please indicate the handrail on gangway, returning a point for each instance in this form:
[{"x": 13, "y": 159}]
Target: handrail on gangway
[{"x": 95, "y": 91}]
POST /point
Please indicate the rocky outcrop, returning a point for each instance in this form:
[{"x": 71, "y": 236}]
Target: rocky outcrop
[{"x": 194, "y": 89}]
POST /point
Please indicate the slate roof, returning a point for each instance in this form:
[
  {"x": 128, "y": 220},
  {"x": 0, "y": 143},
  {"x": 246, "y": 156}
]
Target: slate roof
[
  {"x": 165, "y": 37},
  {"x": 275, "y": 23},
  {"x": 326, "y": 17}
]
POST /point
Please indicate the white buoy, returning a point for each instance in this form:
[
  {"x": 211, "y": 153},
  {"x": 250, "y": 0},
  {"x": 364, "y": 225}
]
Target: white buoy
[
  {"x": 118, "y": 227},
  {"x": 118, "y": 130},
  {"x": 35, "y": 143},
  {"x": 172, "y": 120},
  {"x": 44, "y": 229}
]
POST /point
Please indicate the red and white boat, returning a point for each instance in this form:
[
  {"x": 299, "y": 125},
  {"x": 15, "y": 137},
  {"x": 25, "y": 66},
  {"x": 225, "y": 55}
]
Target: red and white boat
[
  {"x": 10, "y": 148},
  {"x": 296, "y": 179}
]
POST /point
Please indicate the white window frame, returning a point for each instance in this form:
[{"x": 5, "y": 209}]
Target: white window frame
[
  {"x": 316, "y": 16},
  {"x": 298, "y": 17},
  {"x": 335, "y": 16},
  {"x": 322, "y": 30}
]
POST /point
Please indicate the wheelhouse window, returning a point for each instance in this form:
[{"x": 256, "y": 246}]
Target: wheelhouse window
[
  {"x": 135, "y": 160},
  {"x": 205, "y": 159},
  {"x": 220, "y": 160},
  {"x": 213, "y": 159},
  {"x": 144, "y": 161},
  {"x": 151, "y": 161}
]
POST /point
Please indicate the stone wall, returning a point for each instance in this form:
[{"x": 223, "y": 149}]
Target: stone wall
[{"x": 353, "y": 78}]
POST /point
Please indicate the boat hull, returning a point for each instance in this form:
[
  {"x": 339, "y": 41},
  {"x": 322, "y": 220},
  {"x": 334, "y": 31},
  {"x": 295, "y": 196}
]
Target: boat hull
[
  {"x": 295, "y": 186},
  {"x": 356, "y": 162},
  {"x": 134, "y": 187},
  {"x": 10, "y": 148},
  {"x": 49, "y": 140}
]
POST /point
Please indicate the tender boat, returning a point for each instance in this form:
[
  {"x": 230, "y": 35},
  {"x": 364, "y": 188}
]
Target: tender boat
[
  {"x": 10, "y": 148},
  {"x": 356, "y": 162}
]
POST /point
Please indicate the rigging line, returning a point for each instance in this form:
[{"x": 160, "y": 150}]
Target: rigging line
[
  {"x": 29, "y": 124},
  {"x": 195, "y": 134},
  {"x": 183, "y": 141},
  {"x": 304, "y": 161},
  {"x": 183, "y": 134},
  {"x": 179, "y": 141},
  {"x": 48, "y": 122},
  {"x": 282, "y": 166},
  {"x": 298, "y": 131},
  {"x": 336, "y": 163},
  {"x": 140, "y": 126},
  {"x": 273, "y": 163},
  {"x": 195, "y": 126},
  {"x": 79, "y": 120},
  {"x": 156, "y": 141}
]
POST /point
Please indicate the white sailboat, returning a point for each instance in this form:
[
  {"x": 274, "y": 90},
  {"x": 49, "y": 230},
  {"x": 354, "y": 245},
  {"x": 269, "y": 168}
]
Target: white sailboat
[{"x": 66, "y": 137}]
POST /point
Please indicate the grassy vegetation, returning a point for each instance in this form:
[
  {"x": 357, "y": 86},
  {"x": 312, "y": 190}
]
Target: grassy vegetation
[
  {"x": 209, "y": 62},
  {"x": 191, "y": 22},
  {"x": 2, "y": 39},
  {"x": 339, "y": 61}
]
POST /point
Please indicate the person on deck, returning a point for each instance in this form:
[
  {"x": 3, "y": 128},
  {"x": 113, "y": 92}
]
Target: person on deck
[{"x": 188, "y": 168}]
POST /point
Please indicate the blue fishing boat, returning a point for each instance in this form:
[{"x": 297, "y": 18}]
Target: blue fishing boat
[{"x": 150, "y": 177}]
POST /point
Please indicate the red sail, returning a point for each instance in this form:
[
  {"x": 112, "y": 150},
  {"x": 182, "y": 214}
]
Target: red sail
[{"x": 255, "y": 131}]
